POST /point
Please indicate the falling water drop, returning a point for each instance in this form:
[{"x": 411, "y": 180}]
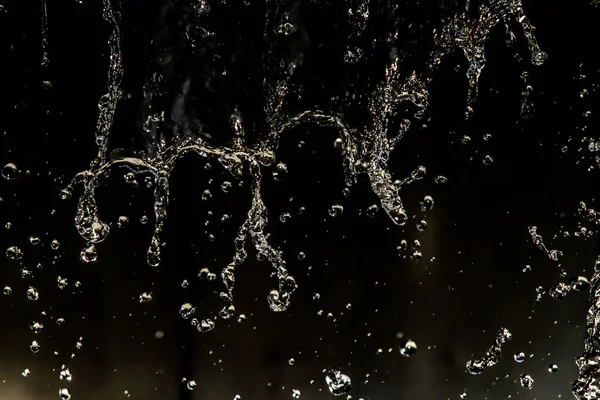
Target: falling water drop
[
  {"x": 10, "y": 172},
  {"x": 338, "y": 383},
  {"x": 526, "y": 381},
  {"x": 408, "y": 348}
]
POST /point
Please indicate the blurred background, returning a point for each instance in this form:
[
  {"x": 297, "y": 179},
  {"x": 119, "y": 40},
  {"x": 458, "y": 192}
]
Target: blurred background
[{"x": 358, "y": 299}]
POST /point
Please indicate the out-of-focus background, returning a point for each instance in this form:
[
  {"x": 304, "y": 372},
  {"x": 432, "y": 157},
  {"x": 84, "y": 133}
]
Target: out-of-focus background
[{"x": 357, "y": 300}]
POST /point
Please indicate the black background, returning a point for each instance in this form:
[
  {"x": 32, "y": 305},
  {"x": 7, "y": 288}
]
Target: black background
[{"x": 451, "y": 307}]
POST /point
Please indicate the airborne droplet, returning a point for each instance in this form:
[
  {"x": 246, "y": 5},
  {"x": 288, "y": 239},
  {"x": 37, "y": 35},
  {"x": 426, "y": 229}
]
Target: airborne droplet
[{"x": 338, "y": 383}]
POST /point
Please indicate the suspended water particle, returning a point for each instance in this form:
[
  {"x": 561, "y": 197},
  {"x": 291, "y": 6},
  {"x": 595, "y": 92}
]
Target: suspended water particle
[
  {"x": 336, "y": 210},
  {"x": 185, "y": 283},
  {"x": 463, "y": 395},
  {"x": 553, "y": 368},
  {"x": 36, "y": 327},
  {"x": 348, "y": 306},
  {"x": 465, "y": 139},
  {"x": 316, "y": 296},
  {"x": 130, "y": 179},
  {"x": 60, "y": 321},
  {"x": 280, "y": 172},
  {"x": 475, "y": 367},
  {"x": 7, "y": 290},
  {"x": 301, "y": 256},
  {"x": 14, "y": 253},
  {"x": 488, "y": 160},
  {"x": 286, "y": 29},
  {"x": 126, "y": 393},
  {"x": 580, "y": 283},
  {"x": 487, "y": 137},
  {"x": 144, "y": 220},
  {"x": 187, "y": 310},
  {"x": 285, "y": 217},
  {"x": 526, "y": 381},
  {"x": 241, "y": 318},
  {"x": 55, "y": 244},
  {"x": 372, "y": 211},
  {"x": 440, "y": 179},
  {"x": 65, "y": 374},
  {"x": 338, "y": 143},
  {"x": 26, "y": 372},
  {"x": 226, "y": 186},
  {"x": 32, "y": 293},
  {"x": 346, "y": 192},
  {"x": 206, "y": 325},
  {"x": 62, "y": 282},
  {"x": 416, "y": 256},
  {"x": 422, "y": 225},
  {"x": 237, "y": 397},
  {"x": 408, "y": 348},
  {"x": 427, "y": 203},
  {"x": 295, "y": 393},
  {"x": 301, "y": 210},
  {"x": 338, "y": 383},
  {"x": 79, "y": 344},
  {"x": 527, "y": 268},
  {"x": 291, "y": 361},
  {"x": 34, "y": 346},
  {"x": 415, "y": 245},
  {"x": 519, "y": 357},
  {"x": 34, "y": 240},
  {"x": 65, "y": 394},
  {"x": 191, "y": 385},
  {"x": 206, "y": 195},
  {"x": 123, "y": 221},
  {"x": 10, "y": 172},
  {"x": 89, "y": 254},
  {"x": 145, "y": 297},
  {"x": 26, "y": 274}
]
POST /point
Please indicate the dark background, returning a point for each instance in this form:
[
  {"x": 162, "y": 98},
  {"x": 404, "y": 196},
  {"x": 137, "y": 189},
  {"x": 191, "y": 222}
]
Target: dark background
[{"x": 469, "y": 283}]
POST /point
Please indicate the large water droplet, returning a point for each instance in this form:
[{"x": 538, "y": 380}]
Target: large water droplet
[{"x": 338, "y": 383}]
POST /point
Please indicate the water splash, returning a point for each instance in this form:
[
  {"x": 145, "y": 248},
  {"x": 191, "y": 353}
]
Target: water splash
[
  {"x": 365, "y": 150},
  {"x": 587, "y": 385},
  {"x": 539, "y": 242}
]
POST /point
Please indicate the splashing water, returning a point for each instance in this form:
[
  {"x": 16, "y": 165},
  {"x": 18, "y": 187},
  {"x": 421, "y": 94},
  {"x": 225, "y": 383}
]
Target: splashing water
[{"x": 365, "y": 150}]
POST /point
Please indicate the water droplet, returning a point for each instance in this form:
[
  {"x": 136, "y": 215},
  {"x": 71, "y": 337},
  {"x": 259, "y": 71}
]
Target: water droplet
[
  {"x": 372, "y": 210},
  {"x": 34, "y": 346},
  {"x": 191, "y": 385},
  {"x": 527, "y": 268},
  {"x": 36, "y": 327},
  {"x": 422, "y": 225},
  {"x": 488, "y": 160},
  {"x": 34, "y": 240},
  {"x": 427, "y": 203},
  {"x": 226, "y": 186},
  {"x": 487, "y": 137},
  {"x": 519, "y": 357},
  {"x": 144, "y": 220},
  {"x": 553, "y": 368},
  {"x": 295, "y": 393},
  {"x": 280, "y": 172},
  {"x": 285, "y": 217},
  {"x": 89, "y": 254},
  {"x": 408, "y": 348},
  {"x": 286, "y": 29},
  {"x": 65, "y": 374},
  {"x": 338, "y": 383},
  {"x": 187, "y": 310},
  {"x": 65, "y": 394},
  {"x": 440, "y": 179},
  {"x": 336, "y": 210},
  {"x": 7, "y": 290},
  {"x": 26, "y": 372},
  {"x": 55, "y": 244},
  {"x": 206, "y": 325},
  {"x": 526, "y": 381},
  {"x": 123, "y": 221},
  {"x": 580, "y": 283},
  {"x": 32, "y": 293},
  {"x": 291, "y": 361},
  {"x": 145, "y": 297},
  {"x": 301, "y": 256},
  {"x": 10, "y": 172},
  {"x": 14, "y": 253}
]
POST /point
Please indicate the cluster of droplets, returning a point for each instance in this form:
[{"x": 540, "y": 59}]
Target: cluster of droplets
[
  {"x": 365, "y": 150},
  {"x": 492, "y": 356}
]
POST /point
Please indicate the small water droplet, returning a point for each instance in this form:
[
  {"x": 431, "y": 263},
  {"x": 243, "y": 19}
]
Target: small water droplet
[
  {"x": 519, "y": 357},
  {"x": 10, "y": 172},
  {"x": 65, "y": 394},
  {"x": 191, "y": 385},
  {"x": 291, "y": 361},
  {"x": 338, "y": 383},
  {"x": 26, "y": 372},
  {"x": 187, "y": 310},
  {"x": 553, "y": 368},
  {"x": 7, "y": 290},
  {"x": 488, "y": 160},
  {"x": 408, "y": 348},
  {"x": 526, "y": 381},
  {"x": 34, "y": 346},
  {"x": 32, "y": 293},
  {"x": 145, "y": 297},
  {"x": 14, "y": 253},
  {"x": 123, "y": 221}
]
